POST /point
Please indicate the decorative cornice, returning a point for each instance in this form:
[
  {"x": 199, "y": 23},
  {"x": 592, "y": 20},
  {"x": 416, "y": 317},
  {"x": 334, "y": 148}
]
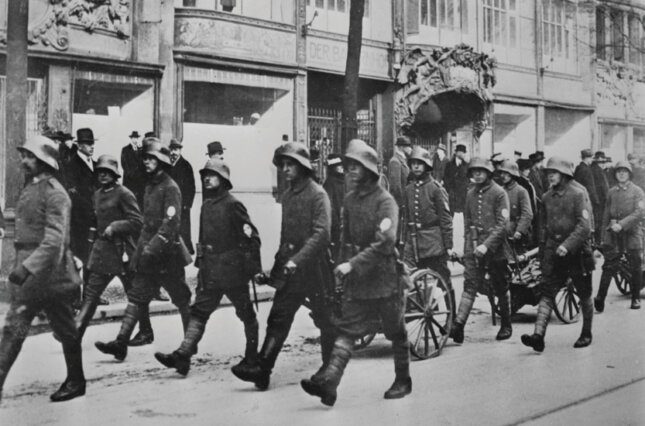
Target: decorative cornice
[
  {"x": 343, "y": 38},
  {"x": 188, "y": 13}
]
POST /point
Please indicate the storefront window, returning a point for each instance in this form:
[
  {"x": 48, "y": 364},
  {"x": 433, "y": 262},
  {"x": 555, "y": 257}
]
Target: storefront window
[
  {"x": 112, "y": 106},
  {"x": 514, "y": 130},
  {"x": 247, "y": 112},
  {"x": 639, "y": 141},
  {"x": 613, "y": 140}
]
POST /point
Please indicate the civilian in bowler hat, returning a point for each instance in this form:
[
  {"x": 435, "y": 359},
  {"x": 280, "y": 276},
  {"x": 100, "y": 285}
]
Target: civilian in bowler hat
[
  {"x": 215, "y": 150},
  {"x": 134, "y": 175},
  {"x": 455, "y": 180}
]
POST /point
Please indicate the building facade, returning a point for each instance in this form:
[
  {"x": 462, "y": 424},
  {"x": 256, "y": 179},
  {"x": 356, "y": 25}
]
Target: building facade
[{"x": 248, "y": 72}]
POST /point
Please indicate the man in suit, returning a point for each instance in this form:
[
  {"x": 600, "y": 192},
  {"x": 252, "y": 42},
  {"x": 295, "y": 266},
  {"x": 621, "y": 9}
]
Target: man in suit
[
  {"x": 134, "y": 175},
  {"x": 81, "y": 183},
  {"x": 216, "y": 150},
  {"x": 455, "y": 180},
  {"x": 584, "y": 176},
  {"x": 398, "y": 169},
  {"x": 439, "y": 162},
  {"x": 182, "y": 173}
]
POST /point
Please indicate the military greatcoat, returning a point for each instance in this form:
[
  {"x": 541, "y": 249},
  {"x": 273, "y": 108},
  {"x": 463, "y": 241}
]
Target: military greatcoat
[{"x": 626, "y": 205}]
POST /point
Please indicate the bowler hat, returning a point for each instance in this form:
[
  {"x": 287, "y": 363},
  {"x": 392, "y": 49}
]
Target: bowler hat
[
  {"x": 215, "y": 148},
  {"x": 524, "y": 164},
  {"x": 586, "y": 153},
  {"x": 403, "y": 141},
  {"x": 540, "y": 155},
  {"x": 175, "y": 143},
  {"x": 460, "y": 148},
  {"x": 600, "y": 157},
  {"x": 85, "y": 135},
  {"x": 149, "y": 135},
  {"x": 58, "y": 135},
  {"x": 134, "y": 134},
  {"x": 333, "y": 159}
]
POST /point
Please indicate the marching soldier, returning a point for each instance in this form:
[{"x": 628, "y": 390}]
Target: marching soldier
[
  {"x": 430, "y": 236},
  {"x": 44, "y": 276},
  {"x": 486, "y": 218},
  {"x": 565, "y": 249},
  {"x": 160, "y": 256},
  {"x": 521, "y": 212},
  {"x": 622, "y": 232},
  {"x": 228, "y": 255},
  {"x": 301, "y": 269},
  {"x": 118, "y": 223},
  {"x": 368, "y": 267}
]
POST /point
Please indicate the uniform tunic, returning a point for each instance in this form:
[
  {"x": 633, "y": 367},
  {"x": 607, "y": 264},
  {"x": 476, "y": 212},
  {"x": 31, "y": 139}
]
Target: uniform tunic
[
  {"x": 42, "y": 247},
  {"x": 372, "y": 288},
  {"x": 566, "y": 221},
  {"x": 521, "y": 213},
  {"x": 157, "y": 259},
  {"x": 486, "y": 219},
  {"x": 229, "y": 250}
]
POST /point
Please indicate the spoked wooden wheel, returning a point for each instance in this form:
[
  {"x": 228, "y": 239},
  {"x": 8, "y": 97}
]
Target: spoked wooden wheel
[
  {"x": 623, "y": 283},
  {"x": 567, "y": 304},
  {"x": 429, "y": 313}
]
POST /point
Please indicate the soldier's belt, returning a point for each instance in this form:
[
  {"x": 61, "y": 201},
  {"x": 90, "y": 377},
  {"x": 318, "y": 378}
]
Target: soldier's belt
[{"x": 25, "y": 246}]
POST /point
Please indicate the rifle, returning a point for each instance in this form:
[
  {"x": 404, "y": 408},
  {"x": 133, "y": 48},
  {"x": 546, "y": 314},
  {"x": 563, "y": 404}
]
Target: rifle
[
  {"x": 474, "y": 233},
  {"x": 412, "y": 226}
]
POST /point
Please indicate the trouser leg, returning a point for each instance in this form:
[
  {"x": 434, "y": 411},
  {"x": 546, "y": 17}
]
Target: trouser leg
[
  {"x": 325, "y": 387},
  {"x": 95, "y": 287},
  {"x": 17, "y": 324},
  {"x": 635, "y": 264}
]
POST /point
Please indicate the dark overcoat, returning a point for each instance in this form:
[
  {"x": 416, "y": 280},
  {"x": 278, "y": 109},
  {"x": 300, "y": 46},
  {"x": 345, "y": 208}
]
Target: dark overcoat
[
  {"x": 398, "y": 171},
  {"x": 584, "y": 176},
  {"x": 134, "y": 173},
  {"x": 487, "y": 209},
  {"x": 182, "y": 174},
  {"x": 81, "y": 183},
  {"x": 455, "y": 180},
  {"x": 229, "y": 243},
  {"x": 115, "y": 207},
  {"x": 626, "y": 205},
  {"x": 335, "y": 187}
]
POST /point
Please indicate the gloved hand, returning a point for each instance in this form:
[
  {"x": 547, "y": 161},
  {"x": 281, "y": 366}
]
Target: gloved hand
[
  {"x": 517, "y": 235},
  {"x": 290, "y": 268},
  {"x": 481, "y": 250},
  {"x": 342, "y": 270},
  {"x": 561, "y": 251},
  {"x": 19, "y": 275}
]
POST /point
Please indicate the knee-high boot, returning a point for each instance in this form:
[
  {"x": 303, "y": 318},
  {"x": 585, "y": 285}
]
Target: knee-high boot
[
  {"x": 465, "y": 306},
  {"x": 599, "y": 300},
  {"x": 325, "y": 388},
  {"x": 10, "y": 347},
  {"x": 536, "y": 340},
  {"x": 145, "y": 336},
  {"x": 74, "y": 384},
  {"x": 260, "y": 373},
  {"x": 180, "y": 359},
  {"x": 251, "y": 331},
  {"x": 402, "y": 385},
  {"x": 587, "y": 319},
  {"x": 504, "y": 304},
  {"x": 327, "y": 339},
  {"x": 184, "y": 313},
  {"x": 119, "y": 347},
  {"x": 637, "y": 280},
  {"x": 84, "y": 317}
]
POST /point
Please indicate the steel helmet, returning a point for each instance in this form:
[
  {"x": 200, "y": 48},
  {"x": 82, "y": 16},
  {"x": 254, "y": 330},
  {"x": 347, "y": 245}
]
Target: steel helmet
[
  {"x": 154, "y": 147},
  {"x": 420, "y": 154},
  {"x": 481, "y": 163},
  {"x": 107, "y": 162},
  {"x": 295, "y": 150},
  {"x": 560, "y": 165},
  {"x": 220, "y": 167},
  {"x": 43, "y": 149},
  {"x": 361, "y": 152},
  {"x": 623, "y": 165},
  {"x": 510, "y": 167}
]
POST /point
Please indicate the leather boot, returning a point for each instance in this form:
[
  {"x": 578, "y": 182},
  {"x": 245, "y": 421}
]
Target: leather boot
[
  {"x": 465, "y": 306},
  {"x": 457, "y": 332},
  {"x": 587, "y": 318},
  {"x": 599, "y": 300},
  {"x": 327, "y": 339},
  {"x": 10, "y": 346},
  {"x": 506, "y": 329},
  {"x": 534, "y": 341},
  {"x": 325, "y": 388},
  {"x": 74, "y": 385},
  {"x": 402, "y": 385},
  {"x": 175, "y": 360},
  {"x": 251, "y": 331},
  {"x": 119, "y": 347},
  {"x": 145, "y": 336},
  {"x": 260, "y": 373},
  {"x": 192, "y": 336},
  {"x": 84, "y": 317}
]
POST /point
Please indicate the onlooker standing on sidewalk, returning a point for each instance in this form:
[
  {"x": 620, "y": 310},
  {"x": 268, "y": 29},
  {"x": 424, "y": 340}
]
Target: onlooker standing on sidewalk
[
  {"x": 565, "y": 250},
  {"x": 158, "y": 259},
  {"x": 134, "y": 174},
  {"x": 228, "y": 255},
  {"x": 439, "y": 161},
  {"x": 182, "y": 173},
  {"x": 44, "y": 276},
  {"x": 398, "y": 170},
  {"x": 455, "y": 180},
  {"x": 622, "y": 233},
  {"x": 584, "y": 176},
  {"x": 638, "y": 171},
  {"x": 215, "y": 150},
  {"x": 598, "y": 166},
  {"x": 118, "y": 223}
]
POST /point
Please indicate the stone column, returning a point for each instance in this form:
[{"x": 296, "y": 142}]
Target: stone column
[
  {"x": 300, "y": 102},
  {"x": 59, "y": 106}
]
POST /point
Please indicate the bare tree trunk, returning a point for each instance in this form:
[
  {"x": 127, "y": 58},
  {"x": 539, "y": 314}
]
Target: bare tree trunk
[{"x": 350, "y": 89}]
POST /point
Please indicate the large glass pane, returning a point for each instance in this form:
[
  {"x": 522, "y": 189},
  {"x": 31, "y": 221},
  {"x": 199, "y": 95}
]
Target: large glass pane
[
  {"x": 331, "y": 4},
  {"x": 320, "y": 4},
  {"x": 600, "y": 34},
  {"x": 433, "y": 13},
  {"x": 424, "y": 12},
  {"x": 442, "y": 12},
  {"x": 450, "y": 14},
  {"x": 512, "y": 31},
  {"x": 340, "y": 5}
]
